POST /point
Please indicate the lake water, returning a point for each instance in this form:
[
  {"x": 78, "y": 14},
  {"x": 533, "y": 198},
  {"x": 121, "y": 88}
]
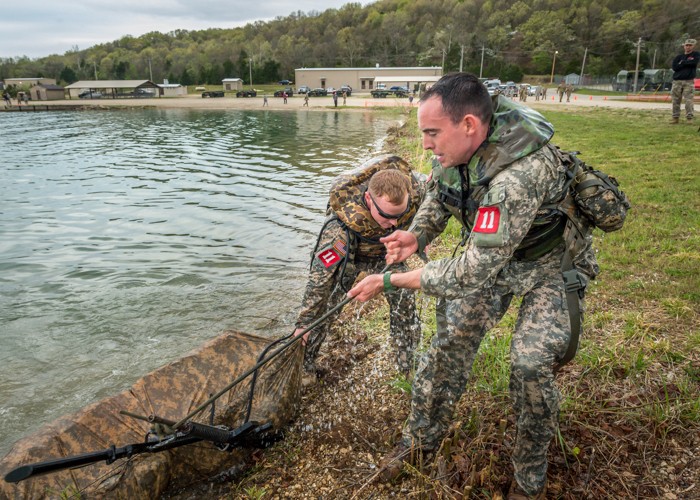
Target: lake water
[{"x": 128, "y": 238}]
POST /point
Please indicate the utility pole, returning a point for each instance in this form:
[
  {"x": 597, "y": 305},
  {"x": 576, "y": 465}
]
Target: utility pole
[
  {"x": 461, "y": 58},
  {"x": 481, "y": 69},
  {"x": 636, "y": 68},
  {"x": 250, "y": 69},
  {"x": 653, "y": 61},
  {"x": 94, "y": 65},
  {"x": 583, "y": 65},
  {"x": 150, "y": 70},
  {"x": 554, "y": 61}
]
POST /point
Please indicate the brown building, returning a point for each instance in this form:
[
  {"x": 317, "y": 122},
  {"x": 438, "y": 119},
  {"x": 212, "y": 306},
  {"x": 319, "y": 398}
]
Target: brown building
[
  {"x": 366, "y": 79},
  {"x": 46, "y": 92}
]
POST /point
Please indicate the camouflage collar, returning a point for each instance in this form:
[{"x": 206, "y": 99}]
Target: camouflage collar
[{"x": 515, "y": 131}]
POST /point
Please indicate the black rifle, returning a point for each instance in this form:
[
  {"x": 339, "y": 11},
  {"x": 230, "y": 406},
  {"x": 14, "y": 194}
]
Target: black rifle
[{"x": 248, "y": 434}]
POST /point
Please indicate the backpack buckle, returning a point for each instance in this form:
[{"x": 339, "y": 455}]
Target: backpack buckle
[{"x": 573, "y": 282}]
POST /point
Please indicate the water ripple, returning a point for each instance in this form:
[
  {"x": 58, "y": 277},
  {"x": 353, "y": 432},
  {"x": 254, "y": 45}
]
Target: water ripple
[{"x": 128, "y": 238}]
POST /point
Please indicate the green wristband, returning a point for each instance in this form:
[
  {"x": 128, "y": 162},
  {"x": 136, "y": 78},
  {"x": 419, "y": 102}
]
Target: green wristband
[{"x": 388, "y": 287}]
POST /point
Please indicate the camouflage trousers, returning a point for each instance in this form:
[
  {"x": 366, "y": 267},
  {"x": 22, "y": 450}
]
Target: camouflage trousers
[
  {"x": 682, "y": 89},
  {"x": 404, "y": 323},
  {"x": 540, "y": 338}
]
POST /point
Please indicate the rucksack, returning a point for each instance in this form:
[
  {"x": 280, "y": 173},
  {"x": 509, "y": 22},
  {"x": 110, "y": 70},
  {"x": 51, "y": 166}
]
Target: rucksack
[
  {"x": 598, "y": 196},
  {"x": 592, "y": 199}
]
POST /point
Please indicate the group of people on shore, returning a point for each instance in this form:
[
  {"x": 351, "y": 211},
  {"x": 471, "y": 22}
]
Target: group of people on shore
[{"x": 495, "y": 171}]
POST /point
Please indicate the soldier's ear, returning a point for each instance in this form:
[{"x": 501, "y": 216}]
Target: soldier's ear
[{"x": 471, "y": 123}]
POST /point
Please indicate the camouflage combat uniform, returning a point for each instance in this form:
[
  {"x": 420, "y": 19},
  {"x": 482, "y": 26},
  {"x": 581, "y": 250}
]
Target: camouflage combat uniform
[
  {"x": 349, "y": 245},
  {"x": 514, "y": 248}
]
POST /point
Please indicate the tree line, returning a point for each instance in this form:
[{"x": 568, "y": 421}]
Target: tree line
[{"x": 494, "y": 38}]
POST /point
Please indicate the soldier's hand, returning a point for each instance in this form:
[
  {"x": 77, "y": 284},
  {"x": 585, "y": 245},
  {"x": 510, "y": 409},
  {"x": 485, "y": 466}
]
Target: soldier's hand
[
  {"x": 367, "y": 288},
  {"x": 400, "y": 245},
  {"x": 306, "y": 335}
]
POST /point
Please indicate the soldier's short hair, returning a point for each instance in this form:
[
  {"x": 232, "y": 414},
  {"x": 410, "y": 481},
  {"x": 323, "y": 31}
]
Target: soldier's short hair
[
  {"x": 391, "y": 183},
  {"x": 462, "y": 94}
]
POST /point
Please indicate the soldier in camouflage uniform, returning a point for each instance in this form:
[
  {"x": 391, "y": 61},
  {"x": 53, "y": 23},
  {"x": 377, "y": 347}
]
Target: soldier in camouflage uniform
[
  {"x": 495, "y": 171},
  {"x": 365, "y": 204}
]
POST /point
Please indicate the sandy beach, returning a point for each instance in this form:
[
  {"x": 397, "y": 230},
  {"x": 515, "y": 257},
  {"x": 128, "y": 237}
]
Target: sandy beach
[{"x": 316, "y": 103}]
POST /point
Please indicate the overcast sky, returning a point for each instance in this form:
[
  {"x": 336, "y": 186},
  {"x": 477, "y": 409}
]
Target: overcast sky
[{"x": 37, "y": 29}]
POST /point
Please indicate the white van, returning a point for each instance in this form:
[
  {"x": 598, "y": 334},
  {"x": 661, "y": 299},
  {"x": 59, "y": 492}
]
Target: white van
[{"x": 492, "y": 85}]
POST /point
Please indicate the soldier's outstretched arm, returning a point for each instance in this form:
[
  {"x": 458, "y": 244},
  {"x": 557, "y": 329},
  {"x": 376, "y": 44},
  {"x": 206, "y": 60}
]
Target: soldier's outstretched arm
[
  {"x": 400, "y": 245},
  {"x": 374, "y": 284}
]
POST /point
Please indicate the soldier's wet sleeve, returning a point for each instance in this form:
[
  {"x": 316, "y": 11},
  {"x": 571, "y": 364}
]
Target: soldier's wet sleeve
[
  {"x": 503, "y": 219},
  {"x": 326, "y": 261},
  {"x": 431, "y": 218}
]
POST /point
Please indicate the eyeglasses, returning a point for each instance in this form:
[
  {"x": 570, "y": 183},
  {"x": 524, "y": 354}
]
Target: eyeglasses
[{"x": 389, "y": 216}]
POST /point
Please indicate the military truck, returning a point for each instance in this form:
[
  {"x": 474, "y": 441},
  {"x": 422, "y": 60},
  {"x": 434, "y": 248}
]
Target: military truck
[
  {"x": 288, "y": 90},
  {"x": 382, "y": 93}
]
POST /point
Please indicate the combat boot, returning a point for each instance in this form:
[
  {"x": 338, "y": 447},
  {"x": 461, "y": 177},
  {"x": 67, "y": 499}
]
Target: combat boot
[
  {"x": 674, "y": 121},
  {"x": 517, "y": 493}
]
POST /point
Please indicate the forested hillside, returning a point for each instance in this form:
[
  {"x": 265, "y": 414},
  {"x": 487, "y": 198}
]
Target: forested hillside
[{"x": 514, "y": 37}]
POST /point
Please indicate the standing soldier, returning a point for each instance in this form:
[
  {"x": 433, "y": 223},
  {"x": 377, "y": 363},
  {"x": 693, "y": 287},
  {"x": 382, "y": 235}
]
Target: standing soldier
[
  {"x": 569, "y": 90},
  {"x": 523, "y": 93},
  {"x": 365, "y": 204},
  {"x": 560, "y": 90},
  {"x": 495, "y": 171},
  {"x": 684, "y": 72},
  {"x": 544, "y": 93}
]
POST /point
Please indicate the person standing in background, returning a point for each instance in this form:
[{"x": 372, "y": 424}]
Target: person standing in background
[{"x": 685, "y": 68}]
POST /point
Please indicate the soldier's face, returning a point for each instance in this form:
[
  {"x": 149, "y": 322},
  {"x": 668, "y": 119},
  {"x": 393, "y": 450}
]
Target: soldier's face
[
  {"x": 384, "y": 212},
  {"x": 452, "y": 143},
  {"x": 688, "y": 47}
]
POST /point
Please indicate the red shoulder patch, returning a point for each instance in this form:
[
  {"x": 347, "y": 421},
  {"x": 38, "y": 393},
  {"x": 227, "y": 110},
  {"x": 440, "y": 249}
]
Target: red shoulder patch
[
  {"x": 487, "y": 220},
  {"x": 328, "y": 257}
]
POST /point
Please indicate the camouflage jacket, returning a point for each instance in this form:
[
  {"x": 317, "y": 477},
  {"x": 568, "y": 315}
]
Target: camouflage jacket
[{"x": 500, "y": 197}]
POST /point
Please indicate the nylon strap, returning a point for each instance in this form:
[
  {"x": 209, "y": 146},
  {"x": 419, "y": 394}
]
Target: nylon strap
[{"x": 573, "y": 286}]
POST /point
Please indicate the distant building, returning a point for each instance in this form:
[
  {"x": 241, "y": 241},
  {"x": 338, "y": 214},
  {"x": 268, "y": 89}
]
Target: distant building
[
  {"x": 113, "y": 88},
  {"x": 232, "y": 84},
  {"x": 29, "y": 82},
  {"x": 367, "y": 78},
  {"x": 47, "y": 92},
  {"x": 172, "y": 89},
  {"x": 572, "y": 78}
]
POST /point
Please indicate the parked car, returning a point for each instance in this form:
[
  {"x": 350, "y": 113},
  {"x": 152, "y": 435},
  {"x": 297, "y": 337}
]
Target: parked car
[
  {"x": 289, "y": 91},
  {"x": 247, "y": 93},
  {"x": 285, "y": 82},
  {"x": 398, "y": 88},
  {"x": 492, "y": 86},
  {"x": 213, "y": 93},
  {"x": 87, "y": 94},
  {"x": 345, "y": 88},
  {"x": 144, "y": 93},
  {"x": 303, "y": 89},
  {"x": 317, "y": 92}
]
